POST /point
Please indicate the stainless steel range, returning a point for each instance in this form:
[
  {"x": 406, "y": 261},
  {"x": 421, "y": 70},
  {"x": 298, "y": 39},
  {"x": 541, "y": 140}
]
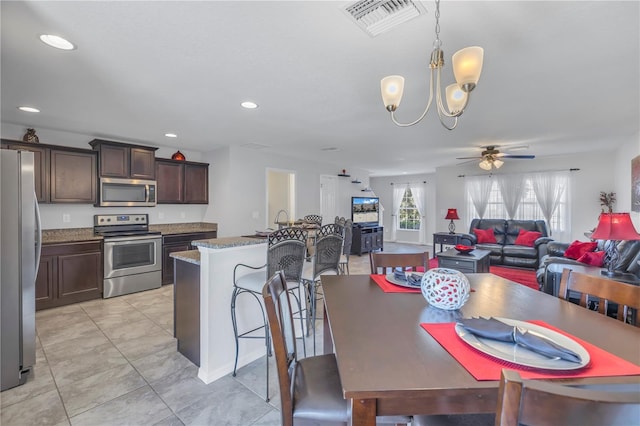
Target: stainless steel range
[{"x": 132, "y": 254}]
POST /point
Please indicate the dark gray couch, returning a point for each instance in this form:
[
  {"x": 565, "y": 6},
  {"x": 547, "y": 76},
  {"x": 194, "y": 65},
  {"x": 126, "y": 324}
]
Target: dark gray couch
[
  {"x": 554, "y": 262},
  {"x": 504, "y": 251}
]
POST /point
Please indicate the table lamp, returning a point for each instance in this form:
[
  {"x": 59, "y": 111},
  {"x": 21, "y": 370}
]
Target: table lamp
[
  {"x": 453, "y": 215},
  {"x": 614, "y": 227}
]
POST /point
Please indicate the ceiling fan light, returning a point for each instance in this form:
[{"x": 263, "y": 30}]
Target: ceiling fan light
[
  {"x": 485, "y": 165},
  {"x": 498, "y": 163},
  {"x": 456, "y": 98},
  {"x": 391, "y": 88},
  {"x": 467, "y": 66}
]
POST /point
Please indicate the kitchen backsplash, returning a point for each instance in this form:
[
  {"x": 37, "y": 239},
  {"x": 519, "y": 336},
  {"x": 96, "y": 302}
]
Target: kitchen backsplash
[{"x": 59, "y": 216}]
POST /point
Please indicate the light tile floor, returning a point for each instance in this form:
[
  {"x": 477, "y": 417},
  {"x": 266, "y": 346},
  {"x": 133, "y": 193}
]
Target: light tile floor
[{"x": 114, "y": 362}]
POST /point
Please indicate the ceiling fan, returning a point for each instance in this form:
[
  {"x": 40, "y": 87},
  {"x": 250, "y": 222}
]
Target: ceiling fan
[{"x": 491, "y": 157}]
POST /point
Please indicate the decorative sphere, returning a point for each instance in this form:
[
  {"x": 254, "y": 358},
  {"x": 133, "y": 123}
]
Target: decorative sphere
[{"x": 445, "y": 288}]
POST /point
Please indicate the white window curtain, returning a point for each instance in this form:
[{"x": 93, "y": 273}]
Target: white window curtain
[
  {"x": 549, "y": 188},
  {"x": 398, "y": 193},
  {"x": 418, "y": 192},
  {"x": 512, "y": 190},
  {"x": 479, "y": 188}
]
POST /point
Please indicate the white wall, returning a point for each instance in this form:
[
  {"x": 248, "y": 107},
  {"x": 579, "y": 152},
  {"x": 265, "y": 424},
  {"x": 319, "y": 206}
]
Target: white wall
[
  {"x": 622, "y": 178},
  {"x": 238, "y": 188},
  {"x": 599, "y": 171}
]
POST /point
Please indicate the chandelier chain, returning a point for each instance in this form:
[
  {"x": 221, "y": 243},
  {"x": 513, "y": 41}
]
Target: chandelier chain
[{"x": 437, "y": 42}]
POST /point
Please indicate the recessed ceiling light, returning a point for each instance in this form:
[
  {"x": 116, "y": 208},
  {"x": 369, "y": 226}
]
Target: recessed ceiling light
[
  {"x": 28, "y": 109},
  {"x": 171, "y": 135},
  {"x": 249, "y": 105},
  {"x": 57, "y": 42}
]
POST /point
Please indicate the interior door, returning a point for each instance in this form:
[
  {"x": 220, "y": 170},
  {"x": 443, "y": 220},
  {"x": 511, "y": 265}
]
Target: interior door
[{"x": 328, "y": 196}]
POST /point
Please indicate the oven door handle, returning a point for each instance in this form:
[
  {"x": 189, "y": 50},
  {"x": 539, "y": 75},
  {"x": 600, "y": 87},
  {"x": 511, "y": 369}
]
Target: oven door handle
[{"x": 131, "y": 238}]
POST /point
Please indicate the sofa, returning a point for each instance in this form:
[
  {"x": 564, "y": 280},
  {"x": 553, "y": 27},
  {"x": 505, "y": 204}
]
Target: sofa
[
  {"x": 553, "y": 263},
  {"x": 505, "y": 251}
]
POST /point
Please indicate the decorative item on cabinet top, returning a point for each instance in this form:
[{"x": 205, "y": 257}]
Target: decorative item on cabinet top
[
  {"x": 178, "y": 156},
  {"x": 31, "y": 136}
]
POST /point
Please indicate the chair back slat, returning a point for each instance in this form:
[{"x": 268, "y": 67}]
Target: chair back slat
[
  {"x": 385, "y": 263},
  {"x": 278, "y": 306},
  {"x": 313, "y": 218},
  {"x": 535, "y": 402},
  {"x": 606, "y": 291}
]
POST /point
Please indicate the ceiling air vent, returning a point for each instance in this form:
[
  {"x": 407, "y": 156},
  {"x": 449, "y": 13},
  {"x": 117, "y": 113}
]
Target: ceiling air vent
[{"x": 379, "y": 16}]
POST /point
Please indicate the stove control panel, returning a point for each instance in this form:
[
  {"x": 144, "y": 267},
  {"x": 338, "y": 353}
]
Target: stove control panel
[{"x": 120, "y": 219}]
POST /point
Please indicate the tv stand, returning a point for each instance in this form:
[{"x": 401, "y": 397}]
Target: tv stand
[{"x": 366, "y": 238}]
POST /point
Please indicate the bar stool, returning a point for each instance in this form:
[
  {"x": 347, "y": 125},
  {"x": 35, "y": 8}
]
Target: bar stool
[{"x": 286, "y": 250}]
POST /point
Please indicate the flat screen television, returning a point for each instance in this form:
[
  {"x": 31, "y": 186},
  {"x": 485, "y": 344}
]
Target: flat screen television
[{"x": 365, "y": 210}]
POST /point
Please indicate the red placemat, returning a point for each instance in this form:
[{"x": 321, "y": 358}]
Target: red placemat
[
  {"x": 388, "y": 287},
  {"x": 485, "y": 367}
]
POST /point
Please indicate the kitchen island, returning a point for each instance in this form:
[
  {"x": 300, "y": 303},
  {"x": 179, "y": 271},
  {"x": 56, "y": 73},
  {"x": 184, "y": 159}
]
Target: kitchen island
[{"x": 216, "y": 259}]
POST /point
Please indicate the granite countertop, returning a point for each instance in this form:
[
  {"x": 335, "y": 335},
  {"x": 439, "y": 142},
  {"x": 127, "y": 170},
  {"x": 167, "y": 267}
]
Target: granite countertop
[
  {"x": 184, "y": 228},
  {"x": 191, "y": 256},
  {"x": 228, "y": 242},
  {"x": 70, "y": 235}
]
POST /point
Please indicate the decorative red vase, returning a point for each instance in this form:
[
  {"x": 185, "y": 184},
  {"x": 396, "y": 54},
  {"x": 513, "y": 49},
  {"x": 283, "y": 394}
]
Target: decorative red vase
[{"x": 178, "y": 156}]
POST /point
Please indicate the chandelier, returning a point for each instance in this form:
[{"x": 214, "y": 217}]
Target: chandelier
[{"x": 467, "y": 66}]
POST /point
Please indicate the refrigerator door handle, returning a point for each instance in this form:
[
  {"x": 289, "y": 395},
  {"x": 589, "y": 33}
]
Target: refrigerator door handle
[{"x": 38, "y": 233}]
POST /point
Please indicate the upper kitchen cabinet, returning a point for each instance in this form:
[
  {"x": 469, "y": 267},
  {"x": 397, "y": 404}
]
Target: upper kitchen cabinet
[
  {"x": 122, "y": 160},
  {"x": 62, "y": 174},
  {"x": 182, "y": 182}
]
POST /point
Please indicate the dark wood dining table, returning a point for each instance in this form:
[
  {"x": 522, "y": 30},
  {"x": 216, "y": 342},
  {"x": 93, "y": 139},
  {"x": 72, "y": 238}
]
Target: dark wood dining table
[{"x": 389, "y": 365}]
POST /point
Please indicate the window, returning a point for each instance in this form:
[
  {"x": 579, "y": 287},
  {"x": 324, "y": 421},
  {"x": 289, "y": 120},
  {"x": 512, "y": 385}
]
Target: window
[
  {"x": 408, "y": 214},
  {"x": 529, "y": 208}
]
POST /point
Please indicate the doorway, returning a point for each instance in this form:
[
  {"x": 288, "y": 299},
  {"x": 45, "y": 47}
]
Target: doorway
[
  {"x": 281, "y": 196},
  {"x": 328, "y": 195}
]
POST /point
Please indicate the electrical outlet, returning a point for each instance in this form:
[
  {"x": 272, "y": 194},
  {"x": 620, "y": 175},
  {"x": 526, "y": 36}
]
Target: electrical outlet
[{"x": 66, "y": 218}]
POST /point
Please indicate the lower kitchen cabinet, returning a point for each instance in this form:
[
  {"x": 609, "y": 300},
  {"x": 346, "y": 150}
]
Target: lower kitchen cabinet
[
  {"x": 69, "y": 273},
  {"x": 178, "y": 242}
]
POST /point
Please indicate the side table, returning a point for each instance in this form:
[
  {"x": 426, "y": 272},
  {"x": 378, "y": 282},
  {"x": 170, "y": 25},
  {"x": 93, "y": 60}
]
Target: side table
[
  {"x": 477, "y": 261},
  {"x": 446, "y": 238}
]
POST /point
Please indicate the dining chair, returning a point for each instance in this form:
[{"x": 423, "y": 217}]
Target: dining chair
[
  {"x": 313, "y": 218},
  {"x": 607, "y": 291},
  {"x": 347, "y": 239},
  {"x": 310, "y": 388},
  {"x": 286, "y": 251},
  {"x": 537, "y": 402},
  {"x": 385, "y": 263}
]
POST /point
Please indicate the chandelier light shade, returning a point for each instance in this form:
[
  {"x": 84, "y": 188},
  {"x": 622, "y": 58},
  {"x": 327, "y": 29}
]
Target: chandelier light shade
[
  {"x": 452, "y": 214},
  {"x": 614, "y": 227},
  {"x": 467, "y": 67}
]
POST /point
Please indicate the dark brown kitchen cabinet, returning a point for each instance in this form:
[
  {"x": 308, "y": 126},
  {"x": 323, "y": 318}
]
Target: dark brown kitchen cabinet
[
  {"x": 62, "y": 174},
  {"x": 73, "y": 177},
  {"x": 178, "y": 242},
  {"x": 122, "y": 160},
  {"x": 182, "y": 182},
  {"x": 41, "y": 166},
  {"x": 69, "y": 273}
]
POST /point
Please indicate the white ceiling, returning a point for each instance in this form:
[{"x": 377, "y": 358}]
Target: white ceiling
[{"x": 559, "y": 76}]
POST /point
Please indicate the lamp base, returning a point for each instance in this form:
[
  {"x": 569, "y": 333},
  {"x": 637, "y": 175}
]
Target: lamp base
[
  {"x": 452, "y": 227},
  {"x": 607, "y": 273}
]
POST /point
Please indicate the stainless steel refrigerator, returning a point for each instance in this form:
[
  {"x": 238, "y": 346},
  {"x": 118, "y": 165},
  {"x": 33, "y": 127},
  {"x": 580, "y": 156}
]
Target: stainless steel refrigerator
[{"x": 20, "y": 254}]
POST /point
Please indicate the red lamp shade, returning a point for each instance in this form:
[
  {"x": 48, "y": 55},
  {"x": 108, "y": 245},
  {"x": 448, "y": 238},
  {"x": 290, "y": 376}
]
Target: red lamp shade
[
  {"x": 452, "y": 214},
  {"x": 616, "y": 227}
]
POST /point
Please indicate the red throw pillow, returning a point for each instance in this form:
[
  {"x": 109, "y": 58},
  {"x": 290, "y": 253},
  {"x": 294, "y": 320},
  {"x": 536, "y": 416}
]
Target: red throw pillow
[
  {"x": 485, "y": 235},
  {"x": 578, "y": 248},
  {"x": 593, "y": 258},
  {"x": 527, "y": 238}
]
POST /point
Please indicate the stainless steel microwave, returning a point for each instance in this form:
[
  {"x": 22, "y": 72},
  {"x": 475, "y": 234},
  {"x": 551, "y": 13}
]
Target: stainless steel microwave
[{"x": 127, "y": 192}]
